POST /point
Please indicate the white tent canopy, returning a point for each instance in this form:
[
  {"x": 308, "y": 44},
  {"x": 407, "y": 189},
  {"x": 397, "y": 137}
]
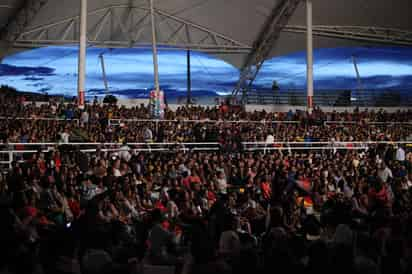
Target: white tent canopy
[{"x": 226, "y": 28}]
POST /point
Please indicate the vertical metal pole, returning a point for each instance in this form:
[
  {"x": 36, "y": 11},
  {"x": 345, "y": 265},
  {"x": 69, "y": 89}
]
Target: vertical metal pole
[
  {"x": 154, "y": 48},
  {"x": 309, "y": 46},
  {"x": 358, "y": 77},
  {"x": 82, "y": 54},
  {"x": 355, "y": 64},
  {"x": 106, "y": 85},
  {"x": 189, "y": 79},
  {"x": 244, "y": 97}
]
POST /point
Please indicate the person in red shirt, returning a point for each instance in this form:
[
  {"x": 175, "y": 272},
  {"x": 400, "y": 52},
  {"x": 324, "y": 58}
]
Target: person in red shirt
[
  {"x": 57, "y": 160},
  {"x": 73, "y": 202},
  {"x": 186, "y": 181},
  {"x": 378, "y": 195},
  {"x": 74, "y": 206},
  {"x": 266, "y": 190},
  {"x": 41, "y": 164},
  {"x": 194, "y": 178},
  {"x": 159, "y": 205}
]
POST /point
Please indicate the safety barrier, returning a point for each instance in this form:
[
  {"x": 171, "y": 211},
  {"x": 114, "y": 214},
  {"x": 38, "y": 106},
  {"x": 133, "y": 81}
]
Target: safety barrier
[
  {"x": 11, "y": 152},
  {"x": 335, "y": 98},
  {"x": 365, "y": 122},
  {"x": 40, "y": 119},
  {"x": 117, "y": 121},
  {"x": 205, "y": 121}
]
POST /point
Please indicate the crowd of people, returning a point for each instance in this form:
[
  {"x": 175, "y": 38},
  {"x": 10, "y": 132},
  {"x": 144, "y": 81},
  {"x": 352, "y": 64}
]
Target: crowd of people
[
  {"x": 57, "y": 122},
  {"x": 309, "y": 211}
]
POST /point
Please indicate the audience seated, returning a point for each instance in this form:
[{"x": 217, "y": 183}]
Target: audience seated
[{"x": 226, "y": 211}]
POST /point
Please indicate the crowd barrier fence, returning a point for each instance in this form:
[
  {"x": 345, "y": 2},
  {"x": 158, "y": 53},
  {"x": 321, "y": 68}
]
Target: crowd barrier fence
[
  {"x": 41, "y": 119},
  {"x": 367, "y": 123},
  {"x": 11, "y": 152},
  {"x": 116, "y": 121}
]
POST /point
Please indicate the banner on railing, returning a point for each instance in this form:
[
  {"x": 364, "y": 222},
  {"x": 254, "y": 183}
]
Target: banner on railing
[{"x": 157, "y": 104}]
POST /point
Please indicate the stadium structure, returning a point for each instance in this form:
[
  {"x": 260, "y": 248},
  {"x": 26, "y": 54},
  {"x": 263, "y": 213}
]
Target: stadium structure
[
  {"x": 191, "y": 189},
  {"x": 243, "y": 33}
]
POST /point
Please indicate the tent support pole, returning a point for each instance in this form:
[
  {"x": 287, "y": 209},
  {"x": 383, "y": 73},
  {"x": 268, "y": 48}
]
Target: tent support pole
[
  {"x": 82, "y": 54},
  {"x": 154, "y": 49},
  {"x": 309, "y": 48},
  {"x": 189, "y": 79}
]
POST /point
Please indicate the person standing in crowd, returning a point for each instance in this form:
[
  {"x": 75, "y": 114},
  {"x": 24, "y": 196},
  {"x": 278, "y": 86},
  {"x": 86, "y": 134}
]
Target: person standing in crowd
[
  {"x": 148, "y": 135},
  {"x": 345, "y": 210},
  {"x": 65, "y": 136},
  {"x": 161, "y": 242},
  {"x": 400, "y": 155},
  {"x": 84, "y": 118}
]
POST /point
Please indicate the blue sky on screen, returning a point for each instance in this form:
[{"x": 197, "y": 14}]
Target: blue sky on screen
[{"x": 130, "y": 71}]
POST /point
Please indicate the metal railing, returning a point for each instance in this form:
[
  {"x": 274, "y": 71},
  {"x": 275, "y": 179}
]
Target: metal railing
[
  {"x": 77, "y": 121},
  {"x": 16, "y": 151},
  {"x": 205, "y": 121},
  {"x": 366, "y": 123},
  {"x": 334, "y": 98},
  {"x": 116, "y": 121}
]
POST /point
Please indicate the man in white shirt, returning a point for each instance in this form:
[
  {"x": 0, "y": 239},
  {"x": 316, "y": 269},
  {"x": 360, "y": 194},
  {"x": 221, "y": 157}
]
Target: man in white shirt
[
  {"x": 65, "y": 136},
  {"x": 221, "y": 183},
  {"x": 270, "y": 139},
  {"x": 53, "y": 108},
  {"x": 116, "y": 168},
  {"x": 84, "y": 119},
  {"x": 384, "y": 173},
  {"x": 148, "y": 135},
  {"x": 124, "y": 153},
  {"x": 400, "y": 154}
]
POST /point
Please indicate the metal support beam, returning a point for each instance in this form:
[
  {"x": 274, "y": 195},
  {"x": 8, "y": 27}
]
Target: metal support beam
[
  {"x": 309, "y": 55},
  {"x": 358, "y": 77},
  {"x": 390, "y": 36},
  {"x": 82, "y": 54},
  {"x": 263, "y": 45},
  {"x": 21, "y": 20},
  {"x": 173, "y": 36},
  {"x": 140, "y": 29},
  {"x": 154, "y": 49},
  {"x": 189, "y": 79},
  {"x": 67, "y": 31},
  {"x": 124, "y": 36},
  {"x": 106, "y": 85},
  {"x": 123, "y": 29},
  {"x": 121, "y": 44},
  {"x": 102, "y": 23}
]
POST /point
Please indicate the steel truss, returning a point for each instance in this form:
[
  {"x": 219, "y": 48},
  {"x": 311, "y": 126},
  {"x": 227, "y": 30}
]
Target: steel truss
[
  {"x": 369, "y": 34},
  {"x": 24, "y": 16},
  {"x": 359, "y": 33},
  {"x": 121, "y": 26},
  {"x": 263, "y": 46}
]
